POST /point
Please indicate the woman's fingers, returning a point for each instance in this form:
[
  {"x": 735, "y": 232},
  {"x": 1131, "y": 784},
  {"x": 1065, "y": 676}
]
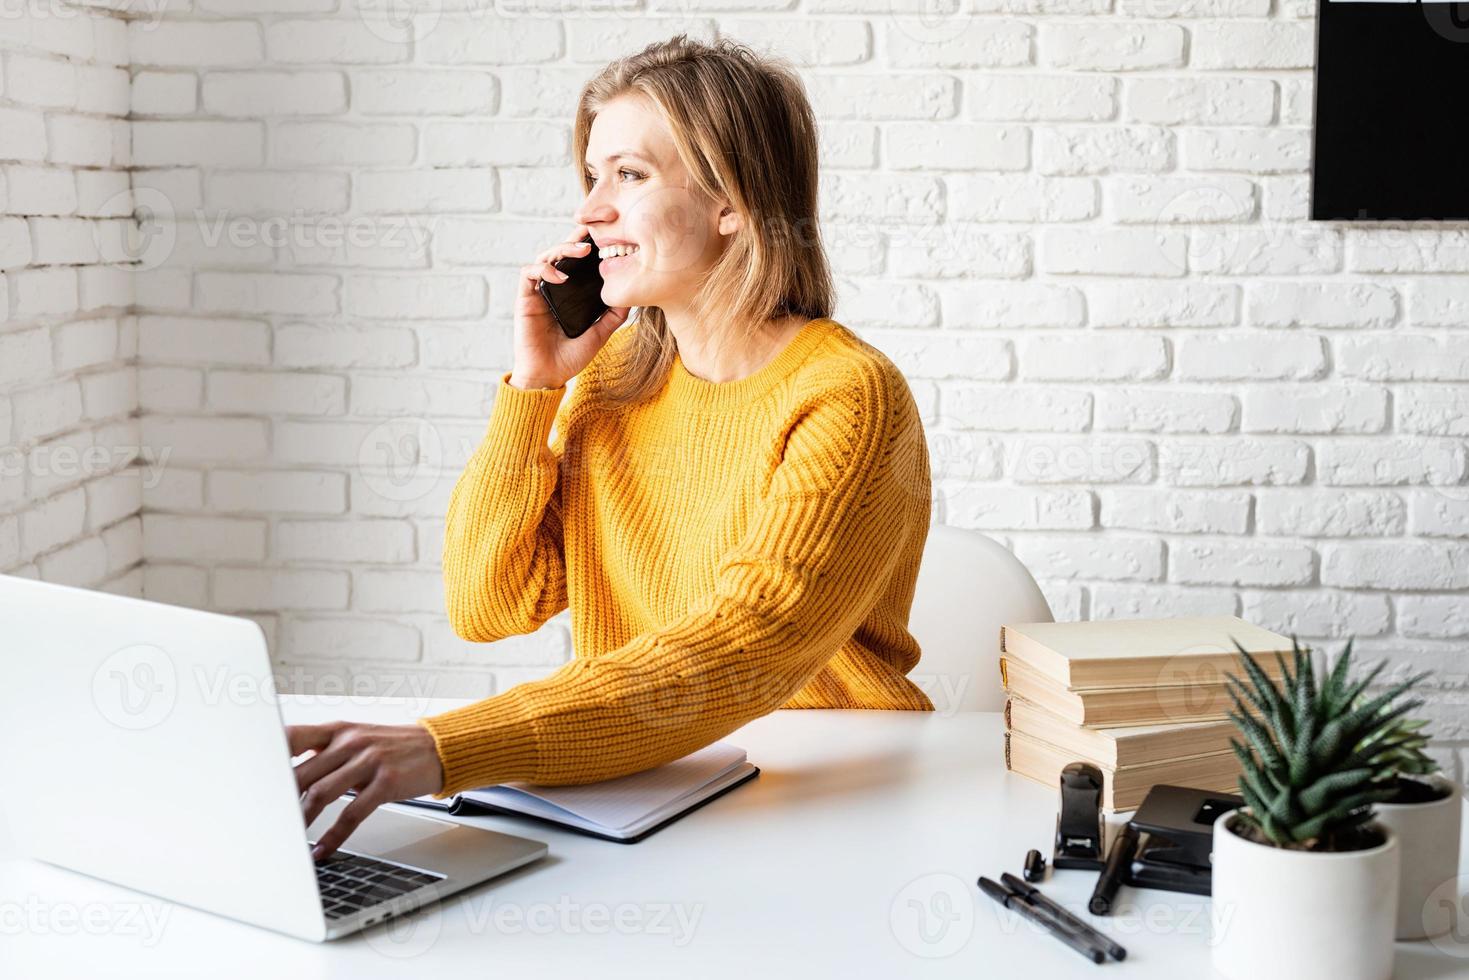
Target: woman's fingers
[
  {"x": 530, "y": 280},
  {"x": 382, "y": 762},
  {"x": 356, "y": 771},
  {"x": 569, "y": 247},
  {"x": 608, "y": 322},
  {"x": 533, "y": 273},
  {"x": 325, "y": 761},
  {"x": 303, "y": 738},
  {"x": 572, "y": 246},
  {"x": 367, "y": 800},
  {"x": 544, "y": 266}
]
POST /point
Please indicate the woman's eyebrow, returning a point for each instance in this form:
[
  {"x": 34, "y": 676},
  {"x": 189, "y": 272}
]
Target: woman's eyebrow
[{"x": 625, "y": 153}]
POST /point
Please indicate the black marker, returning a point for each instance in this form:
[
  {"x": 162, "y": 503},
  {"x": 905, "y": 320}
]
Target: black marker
[
  {"x": 1123, "y": 848},
  {"x": 1019, "y": 903},
  {"x": 1066, "y": 918}
]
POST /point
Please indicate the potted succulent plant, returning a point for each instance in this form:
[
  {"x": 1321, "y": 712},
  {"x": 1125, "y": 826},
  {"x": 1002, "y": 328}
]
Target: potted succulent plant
[
  {"x": 1305, "y": 882},
  {"x": 1424, "y": 812}
]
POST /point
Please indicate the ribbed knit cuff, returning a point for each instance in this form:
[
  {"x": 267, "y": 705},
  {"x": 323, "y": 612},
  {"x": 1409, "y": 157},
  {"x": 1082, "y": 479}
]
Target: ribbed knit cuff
[
  {"x": 486, "y": 743},
  {"x": 521, "y": 418}
]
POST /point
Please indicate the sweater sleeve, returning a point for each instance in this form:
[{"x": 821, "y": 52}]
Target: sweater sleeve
[
  {"x": 504, "y": 558},
  {"x": 813, "y": 562}
]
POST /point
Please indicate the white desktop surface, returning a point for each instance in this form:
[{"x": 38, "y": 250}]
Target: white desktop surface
[{"x": 853, "y": 854}]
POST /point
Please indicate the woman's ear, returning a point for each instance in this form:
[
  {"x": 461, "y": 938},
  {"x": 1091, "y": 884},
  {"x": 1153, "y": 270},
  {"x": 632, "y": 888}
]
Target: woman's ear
[{"x": 729, "y": 221}]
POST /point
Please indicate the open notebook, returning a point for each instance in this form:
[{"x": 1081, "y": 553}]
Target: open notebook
[{"x": 625, "y": 809}]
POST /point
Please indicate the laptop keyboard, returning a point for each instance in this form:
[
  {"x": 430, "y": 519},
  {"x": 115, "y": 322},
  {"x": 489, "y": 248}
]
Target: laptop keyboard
[{"x": 352, "y": 882}]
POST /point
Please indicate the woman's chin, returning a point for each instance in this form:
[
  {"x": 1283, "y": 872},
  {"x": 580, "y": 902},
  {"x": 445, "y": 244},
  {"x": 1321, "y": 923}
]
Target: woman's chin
[{"x": 619, "y": 295}]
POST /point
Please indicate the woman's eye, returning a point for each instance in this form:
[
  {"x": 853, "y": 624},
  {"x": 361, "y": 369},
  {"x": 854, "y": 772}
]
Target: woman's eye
[{"x": 591, "y": 179}]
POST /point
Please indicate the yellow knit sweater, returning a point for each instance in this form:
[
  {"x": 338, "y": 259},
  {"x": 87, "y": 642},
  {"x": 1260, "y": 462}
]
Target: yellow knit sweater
[{"x": 727, "y": 548}]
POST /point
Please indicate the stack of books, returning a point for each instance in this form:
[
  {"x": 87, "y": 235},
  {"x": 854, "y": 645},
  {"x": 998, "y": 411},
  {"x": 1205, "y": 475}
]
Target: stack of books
[{"x": 1144, "y": 700}]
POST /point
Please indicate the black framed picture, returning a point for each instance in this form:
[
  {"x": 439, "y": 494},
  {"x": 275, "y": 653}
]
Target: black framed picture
[{"x": 1391, "y": 137}]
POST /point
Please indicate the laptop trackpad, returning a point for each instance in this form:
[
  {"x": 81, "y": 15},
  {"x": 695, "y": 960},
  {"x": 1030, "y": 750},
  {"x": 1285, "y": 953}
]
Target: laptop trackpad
[{"x": 383, "y": 832}]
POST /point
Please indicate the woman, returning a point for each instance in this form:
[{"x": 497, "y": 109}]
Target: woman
[{"x": 737, "y": 493}]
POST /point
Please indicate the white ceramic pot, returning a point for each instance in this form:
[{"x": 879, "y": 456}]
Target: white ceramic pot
[
  {"x": 1278, "y": 914},
  {"x": 1428, "y": 842}
]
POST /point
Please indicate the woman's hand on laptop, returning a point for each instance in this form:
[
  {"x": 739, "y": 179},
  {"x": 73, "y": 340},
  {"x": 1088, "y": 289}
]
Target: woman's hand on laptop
[{"x": 381, "y": 763}]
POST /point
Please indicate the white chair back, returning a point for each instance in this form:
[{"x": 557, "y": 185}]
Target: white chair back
[{"x": 969, "y": 585}]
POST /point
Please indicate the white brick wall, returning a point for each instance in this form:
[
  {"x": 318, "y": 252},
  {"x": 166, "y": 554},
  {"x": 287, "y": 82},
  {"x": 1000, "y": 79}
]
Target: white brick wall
[
  {"x": 71, "y": 487},
  {"x": 1079, "y": 230}
]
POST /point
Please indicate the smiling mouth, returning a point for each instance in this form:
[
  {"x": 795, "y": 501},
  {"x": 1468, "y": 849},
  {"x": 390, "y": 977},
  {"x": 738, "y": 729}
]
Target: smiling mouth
[{"x": 613, "y": 264}]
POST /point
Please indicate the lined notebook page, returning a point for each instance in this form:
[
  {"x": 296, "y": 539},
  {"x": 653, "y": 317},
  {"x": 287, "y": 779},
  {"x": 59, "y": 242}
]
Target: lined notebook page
[{"x": 621, "y": 802}]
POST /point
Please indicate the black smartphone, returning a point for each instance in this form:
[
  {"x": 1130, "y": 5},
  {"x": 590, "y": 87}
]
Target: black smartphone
[{"x": 576, "y": 303}]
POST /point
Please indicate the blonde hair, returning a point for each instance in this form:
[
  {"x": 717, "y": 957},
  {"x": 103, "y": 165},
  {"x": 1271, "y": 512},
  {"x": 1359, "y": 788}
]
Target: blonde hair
[{"x": 746, "y": 133}]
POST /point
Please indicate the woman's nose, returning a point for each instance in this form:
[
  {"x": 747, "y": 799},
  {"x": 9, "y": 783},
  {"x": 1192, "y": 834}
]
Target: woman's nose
[{"x": 592, "y": 209}]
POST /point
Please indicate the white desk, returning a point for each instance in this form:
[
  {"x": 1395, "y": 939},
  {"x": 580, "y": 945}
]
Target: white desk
[{"x": 854, "y": 854}]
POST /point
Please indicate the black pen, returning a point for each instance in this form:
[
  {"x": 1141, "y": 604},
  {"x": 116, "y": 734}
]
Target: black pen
[
  {"x": 1079, "y": 925},
  {"x": 1012, "y": 900},
  {"x": 1119, "y": 858}
]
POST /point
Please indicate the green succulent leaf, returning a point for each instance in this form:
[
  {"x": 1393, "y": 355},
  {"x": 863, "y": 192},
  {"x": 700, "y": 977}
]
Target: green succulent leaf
[
  {"x": 1251, "y": 781},
  {"x": 1272, "y": 829},
  {"x": 1278, "y": 779},
  {"x": 1344, "y": 733},
  {"x": 1333, "y": 693},
  {"x": 1261, "y": 685},
  {"x": 1305, "y": 682},
  {"x": 1288, "y": 681},
  {"x": 1314, "y": 797},
  {"x": 1355, "y": 690},
  {"x": 1246, "y": 760},
  {"x": 1260, "y": 740},
  {"x": 1315, "y": 752},
  {"x": 1364, "y": 713},
  {"x": 1264, "y": 702},
  {"x": 1300, "y": 756},
  {"x": 1253, "y": 797}
]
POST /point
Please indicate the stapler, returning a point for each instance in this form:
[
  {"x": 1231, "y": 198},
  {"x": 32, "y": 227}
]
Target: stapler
[{"x": 1079, "y": 827}]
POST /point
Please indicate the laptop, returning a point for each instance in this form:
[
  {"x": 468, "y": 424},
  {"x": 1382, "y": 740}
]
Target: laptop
[{"x": 143, "y": 744}]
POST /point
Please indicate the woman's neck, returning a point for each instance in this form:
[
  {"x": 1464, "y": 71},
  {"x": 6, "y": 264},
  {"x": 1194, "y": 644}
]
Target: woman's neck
[{"x": 729, "y": 355}]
